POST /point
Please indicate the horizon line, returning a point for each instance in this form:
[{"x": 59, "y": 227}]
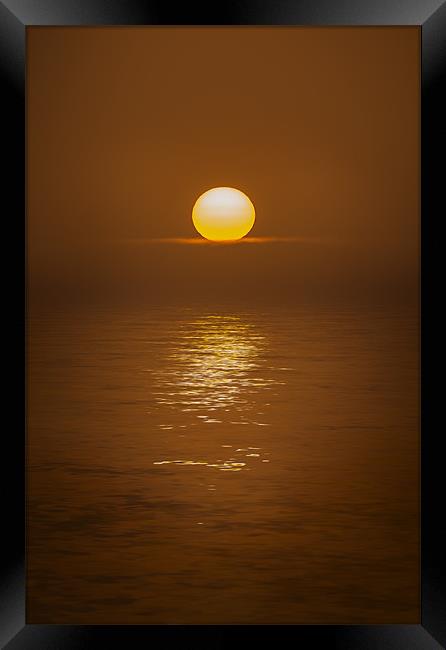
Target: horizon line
[{"x": 202, "y": 241}]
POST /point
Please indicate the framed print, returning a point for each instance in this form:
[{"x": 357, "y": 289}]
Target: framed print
[{"x": 226, "y": 227}]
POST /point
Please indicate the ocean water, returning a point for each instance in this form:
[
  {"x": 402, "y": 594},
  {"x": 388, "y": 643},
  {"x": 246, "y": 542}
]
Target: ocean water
[{"x": 209, "y": 465}]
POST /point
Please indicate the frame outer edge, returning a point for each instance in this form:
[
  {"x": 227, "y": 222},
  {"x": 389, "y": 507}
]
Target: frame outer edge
[
  {"x": 433, "y": 112},
  {"x": 12, "y": 75},
  {"x": 12, "y": 66}
]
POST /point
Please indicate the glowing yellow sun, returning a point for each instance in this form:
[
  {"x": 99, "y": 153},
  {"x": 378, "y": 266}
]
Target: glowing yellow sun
[{"x": 223, "y": 214}]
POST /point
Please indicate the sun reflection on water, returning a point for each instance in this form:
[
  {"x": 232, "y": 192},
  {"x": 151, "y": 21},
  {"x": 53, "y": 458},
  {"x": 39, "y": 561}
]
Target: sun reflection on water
[
  {"x": 213, "y": 367},
  {"x": 213, "y": 377}
]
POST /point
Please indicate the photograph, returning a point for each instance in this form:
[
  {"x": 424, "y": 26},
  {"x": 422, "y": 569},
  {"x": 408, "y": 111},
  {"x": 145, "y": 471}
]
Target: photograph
[{"x": 223, "y": 325}]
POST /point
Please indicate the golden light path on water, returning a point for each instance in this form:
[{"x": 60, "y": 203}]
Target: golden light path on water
[{"x": 214, "y": 376}]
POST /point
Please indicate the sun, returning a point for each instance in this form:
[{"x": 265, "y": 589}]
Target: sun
[{"x": 223, "y": 214}]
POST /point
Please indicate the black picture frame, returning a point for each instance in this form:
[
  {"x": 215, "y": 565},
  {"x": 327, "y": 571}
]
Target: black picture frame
[{"x": 15, "y": 17}]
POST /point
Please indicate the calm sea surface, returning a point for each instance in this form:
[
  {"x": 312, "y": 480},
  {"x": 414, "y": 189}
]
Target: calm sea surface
[{"x": 205, "y": 465}]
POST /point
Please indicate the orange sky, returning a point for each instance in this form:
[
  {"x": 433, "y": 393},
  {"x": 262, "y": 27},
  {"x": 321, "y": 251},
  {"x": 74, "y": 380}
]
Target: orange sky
[{"x": 128, "y": 126}]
